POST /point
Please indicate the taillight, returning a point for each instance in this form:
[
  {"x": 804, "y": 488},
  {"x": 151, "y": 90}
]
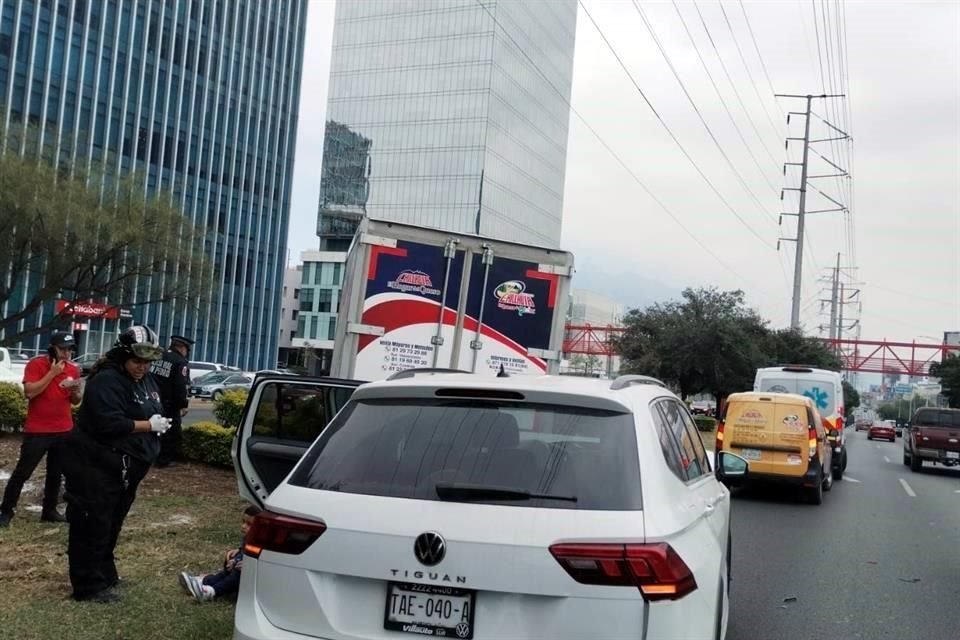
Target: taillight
[
  {"x": 719, "y": 444},
  {"x": 283, "y": 534},
  {"x": 812, "y": 441},
  {"x": 655, "y": 569}
]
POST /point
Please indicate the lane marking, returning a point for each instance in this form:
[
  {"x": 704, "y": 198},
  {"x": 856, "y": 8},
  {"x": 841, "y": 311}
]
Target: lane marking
[
  {"x": 957, "y": 491},
  {"x": 907, "y": 488},
  {"x": 886, "y": 459},
  {"x": 854, "y": 480}
]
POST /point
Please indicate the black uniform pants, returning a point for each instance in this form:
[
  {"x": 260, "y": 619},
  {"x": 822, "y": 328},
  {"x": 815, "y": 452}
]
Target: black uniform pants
[
  {"x": 170, "y": 441},
  {"x": 101, "y": 487},
  {"x": 32, "y": 450}
]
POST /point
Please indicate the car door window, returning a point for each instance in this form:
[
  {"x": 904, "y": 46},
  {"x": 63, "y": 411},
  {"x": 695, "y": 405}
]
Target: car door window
[
  {"x": 696, "y": 441},
  {"x": 297, "y": 412},
  {"x": 668, "y": 444},
  {"x": 673, "y": 414}
]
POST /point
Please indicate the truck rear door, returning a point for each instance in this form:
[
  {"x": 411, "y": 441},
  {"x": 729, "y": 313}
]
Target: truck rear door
[
  {"x": 409, "y": 310},
  {"x": 511, "y": 316}
]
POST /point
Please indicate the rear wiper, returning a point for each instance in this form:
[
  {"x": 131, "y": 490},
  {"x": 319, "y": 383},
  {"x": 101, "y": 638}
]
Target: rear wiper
[{"x": 461, "y": 491}]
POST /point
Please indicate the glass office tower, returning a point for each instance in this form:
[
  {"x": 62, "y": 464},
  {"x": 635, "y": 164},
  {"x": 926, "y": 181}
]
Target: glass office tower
[
  {"x": 450, "y": 114},
  {"x": 201, "y": 97}
]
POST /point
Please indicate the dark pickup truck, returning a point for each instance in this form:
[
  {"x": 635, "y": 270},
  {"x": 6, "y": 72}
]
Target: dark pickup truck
[{"x": 933, "y": 436}]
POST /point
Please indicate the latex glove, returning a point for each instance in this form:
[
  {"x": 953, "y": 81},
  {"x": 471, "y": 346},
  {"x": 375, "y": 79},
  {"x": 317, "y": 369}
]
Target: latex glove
[{"x": 159, "y": 424}]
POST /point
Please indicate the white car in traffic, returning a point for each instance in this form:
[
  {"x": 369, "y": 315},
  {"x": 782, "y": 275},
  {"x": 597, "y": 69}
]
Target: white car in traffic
[{"x": 464, "y": 506}]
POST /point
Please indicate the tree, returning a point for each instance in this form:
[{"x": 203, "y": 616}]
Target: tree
[
  {"x": 707, "y": 342},
  {"x": 949, "y": 373},
  {"x": 790, "y": 346},
  {"x": 584, "y": 363},
  {"x": 710, "y": 341},
  {"x": 851, "y": 398},
  {"x": 88, "y": 237}
]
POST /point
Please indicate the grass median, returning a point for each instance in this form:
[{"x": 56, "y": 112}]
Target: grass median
[{"x": 183, "y": 520}]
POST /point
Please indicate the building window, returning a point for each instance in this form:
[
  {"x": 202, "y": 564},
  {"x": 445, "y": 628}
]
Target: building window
[
  {"x": 337, "y": 272},
  {"x": 306, "y": 300},
  {"x": 296, "y": 294},
  {"x": 294, "y": 314},
  {"x": 324, "y": 303},
  {"x": 332, "y": 328}
]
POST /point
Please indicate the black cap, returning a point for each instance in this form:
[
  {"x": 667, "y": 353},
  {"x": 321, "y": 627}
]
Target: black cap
[
  {"x": 187, "y": 342},
  {"x": 63, "y": 339}
]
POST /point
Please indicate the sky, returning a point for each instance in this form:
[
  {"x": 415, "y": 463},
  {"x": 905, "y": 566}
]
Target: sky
[{"x": 655, "y": 201}]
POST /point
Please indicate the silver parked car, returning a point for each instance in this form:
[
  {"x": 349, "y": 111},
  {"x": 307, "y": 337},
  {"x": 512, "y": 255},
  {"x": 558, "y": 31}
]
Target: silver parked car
[{"x": 213, "y": 389}]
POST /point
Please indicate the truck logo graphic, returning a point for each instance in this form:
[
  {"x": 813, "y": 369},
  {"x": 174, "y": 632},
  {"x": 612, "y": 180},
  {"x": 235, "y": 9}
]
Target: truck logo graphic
[
  {"x": 409, "y": 281},
  {"x": 818, "y": 396},
  {"x": 511, "y": 296}
]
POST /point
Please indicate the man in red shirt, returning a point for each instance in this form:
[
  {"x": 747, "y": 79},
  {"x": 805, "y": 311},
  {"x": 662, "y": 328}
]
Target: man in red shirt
[{"x": 51, "y": 383}]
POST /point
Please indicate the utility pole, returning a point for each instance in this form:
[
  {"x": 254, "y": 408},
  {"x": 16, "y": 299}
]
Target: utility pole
[
  {"x": 834, "y": 333},
  {"x": 802, "y": 211}
]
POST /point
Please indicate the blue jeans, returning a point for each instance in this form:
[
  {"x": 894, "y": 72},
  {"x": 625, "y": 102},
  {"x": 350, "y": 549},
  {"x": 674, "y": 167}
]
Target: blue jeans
[{"x": 223, "y": 583}]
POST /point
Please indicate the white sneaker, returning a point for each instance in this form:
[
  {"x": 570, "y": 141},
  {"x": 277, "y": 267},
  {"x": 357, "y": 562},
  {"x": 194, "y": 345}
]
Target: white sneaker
[
  {"x": 185, "y": 581},
  {"x": 200, "y": 591}
]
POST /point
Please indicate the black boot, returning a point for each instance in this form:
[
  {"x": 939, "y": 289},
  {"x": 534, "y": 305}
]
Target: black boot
[{"x": 52, "y": 515}]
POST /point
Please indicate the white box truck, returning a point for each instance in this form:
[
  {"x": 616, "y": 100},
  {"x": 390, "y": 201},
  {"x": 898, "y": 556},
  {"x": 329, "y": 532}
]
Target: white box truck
[{"x": 415, "y": 297}]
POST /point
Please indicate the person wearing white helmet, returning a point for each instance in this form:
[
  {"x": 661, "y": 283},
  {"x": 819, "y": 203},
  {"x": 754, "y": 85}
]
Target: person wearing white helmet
[{"x": 116, "y": 441}]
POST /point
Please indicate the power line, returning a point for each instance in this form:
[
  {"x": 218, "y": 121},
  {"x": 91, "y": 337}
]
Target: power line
[
  {"x": 693, "y": 104},
  {"x": 619, "y": 160},
  {"x": 733, "y": 85},
  {"x": 723, "y": 101},
  {"x": 756, "y": 47},
  {"x": 743, "y": 59},
  {"x": 670, "y": 131}
]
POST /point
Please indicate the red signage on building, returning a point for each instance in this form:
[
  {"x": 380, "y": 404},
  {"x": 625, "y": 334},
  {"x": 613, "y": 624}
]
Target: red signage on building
[{"x": 88, "y": 309}]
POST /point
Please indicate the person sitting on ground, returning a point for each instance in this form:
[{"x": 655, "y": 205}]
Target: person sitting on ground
[{"x": 225, "y": 582}]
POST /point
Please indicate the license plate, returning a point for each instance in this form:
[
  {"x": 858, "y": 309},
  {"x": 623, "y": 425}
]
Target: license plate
[
  {"x": 429, "y": 610},
  {"x": 750, "y": 454},
  {"x": 955, "y": 455}
]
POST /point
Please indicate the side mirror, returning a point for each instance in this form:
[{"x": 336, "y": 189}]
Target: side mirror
[{"x": 731, "y": 470}]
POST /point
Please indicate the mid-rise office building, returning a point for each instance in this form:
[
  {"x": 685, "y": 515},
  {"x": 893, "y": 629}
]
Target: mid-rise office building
[{"x": 201, "y": 97}]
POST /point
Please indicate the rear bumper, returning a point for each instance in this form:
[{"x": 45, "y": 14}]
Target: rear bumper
[
  {"x": 887, "y": 435},
  {"x": 809, "y": 479},
  {"x": 935, "y": 455}
]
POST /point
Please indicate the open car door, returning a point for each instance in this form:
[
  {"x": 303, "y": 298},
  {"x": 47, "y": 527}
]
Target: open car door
[{"x": 283, "y": 416}]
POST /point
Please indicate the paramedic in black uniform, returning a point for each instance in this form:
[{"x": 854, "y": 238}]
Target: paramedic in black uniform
[
  {"x": 113, "y": 446},
  {"x": 172, "y": 373}
]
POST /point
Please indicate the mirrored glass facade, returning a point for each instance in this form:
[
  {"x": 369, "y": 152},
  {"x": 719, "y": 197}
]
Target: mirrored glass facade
[
  {"x": 438, "y": 116},
  {"x": 200, "y": 96}
]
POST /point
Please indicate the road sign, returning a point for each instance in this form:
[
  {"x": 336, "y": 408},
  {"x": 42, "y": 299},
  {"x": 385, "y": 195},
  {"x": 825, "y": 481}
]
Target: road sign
[{"x": 903, "y": 388}]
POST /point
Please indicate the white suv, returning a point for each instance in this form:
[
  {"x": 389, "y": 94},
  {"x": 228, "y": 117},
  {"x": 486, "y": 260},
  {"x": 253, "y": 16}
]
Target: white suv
[{"x": 463, "y": 506}]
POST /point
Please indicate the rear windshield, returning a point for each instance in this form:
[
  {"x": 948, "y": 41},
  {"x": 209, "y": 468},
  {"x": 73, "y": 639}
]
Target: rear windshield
[
  {"x": 404, "y": 449},
  {"x": 937, "y": 418},
  {"x": 823, "y": 393}
]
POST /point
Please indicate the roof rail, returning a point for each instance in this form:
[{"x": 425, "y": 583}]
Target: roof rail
[
  {"x": 409, "y": 373},
  {"x": 622, "y": 382}
]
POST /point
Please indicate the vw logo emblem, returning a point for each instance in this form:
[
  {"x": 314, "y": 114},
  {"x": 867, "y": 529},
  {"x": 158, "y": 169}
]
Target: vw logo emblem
[{"x": 429, "y": 548}]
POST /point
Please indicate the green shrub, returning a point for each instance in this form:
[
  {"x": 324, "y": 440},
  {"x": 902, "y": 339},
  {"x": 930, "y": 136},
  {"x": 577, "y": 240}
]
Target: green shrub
[
  {"x": 13, "y": 407},
  {"x": 229, "y": 407},
  {"x": 705, "y": 423},
  {"x": 209, "y": 443}
]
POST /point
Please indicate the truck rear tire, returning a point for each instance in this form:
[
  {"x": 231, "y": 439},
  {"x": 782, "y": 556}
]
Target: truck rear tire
[
  {"x": 838, "y": 474},
  {"x": 906, "y": 459},
  {"x": 915, "y": 463}
]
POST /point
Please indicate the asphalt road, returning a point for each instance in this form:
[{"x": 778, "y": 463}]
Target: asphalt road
[{"x": 880, "y": 558}]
